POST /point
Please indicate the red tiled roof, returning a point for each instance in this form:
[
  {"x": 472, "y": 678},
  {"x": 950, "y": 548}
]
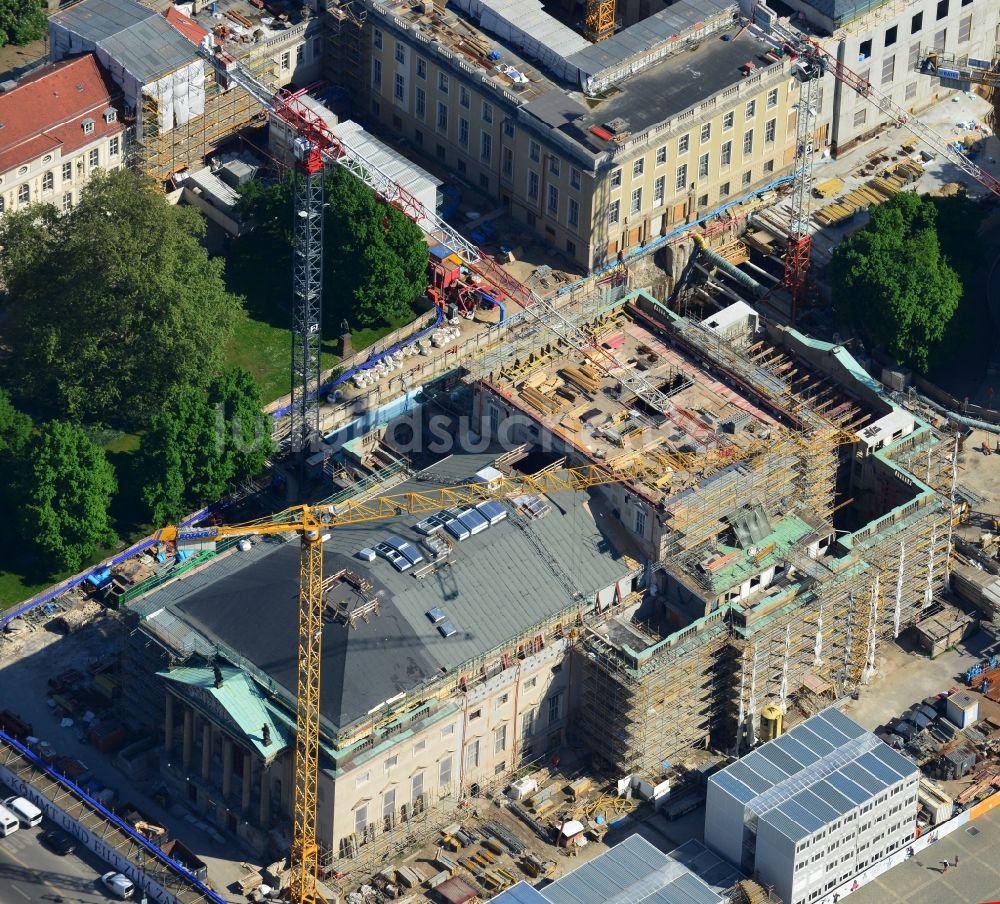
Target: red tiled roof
[
  {"x": 186, "y": 26},
  {"x": 47, "y": 110}
]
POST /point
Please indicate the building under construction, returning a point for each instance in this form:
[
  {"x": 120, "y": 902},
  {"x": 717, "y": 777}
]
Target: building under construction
[{"x": 794, "y": 519}]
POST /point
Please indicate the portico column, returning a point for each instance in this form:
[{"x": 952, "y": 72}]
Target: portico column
[
  {"x": 227, "y": 767},
  {"x": 265, "y": 798},
  {"x": 188, "y": 731},
  {"x": 247, "y": 781},
  {"x": 206, "y": 751},
  {"x": 168, "y": 725}
]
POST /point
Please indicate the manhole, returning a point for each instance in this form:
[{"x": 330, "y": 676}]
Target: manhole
[{"x": 972, "y": 830}]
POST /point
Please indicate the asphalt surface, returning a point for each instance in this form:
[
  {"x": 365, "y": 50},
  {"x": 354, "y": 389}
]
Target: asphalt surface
[{"x": 30, "y": 872}]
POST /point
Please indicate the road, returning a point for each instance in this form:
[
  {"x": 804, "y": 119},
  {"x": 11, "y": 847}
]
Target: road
[{"x": 31, "y": 873}]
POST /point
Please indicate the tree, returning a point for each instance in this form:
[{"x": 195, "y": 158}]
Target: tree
[
  {"x": 21, "y": 21},
  {"x": 201, "y": 442},
  {"x": 68, "y": 490},
  {"x": 375, "y": 257},
  {"x": 15, "y": 435},
  {"x": 891, "y": 278},
  {"x": 115, "y": 305}
]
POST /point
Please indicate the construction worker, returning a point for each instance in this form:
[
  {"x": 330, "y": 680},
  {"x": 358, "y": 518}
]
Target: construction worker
[
  {"x": 956, "y": 861},
  {"x": 944, "y": 865}
]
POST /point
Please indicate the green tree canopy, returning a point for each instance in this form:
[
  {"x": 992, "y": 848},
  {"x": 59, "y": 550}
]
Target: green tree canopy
[
  {"x": 68, "y": 488},
  {"x": 201, "y": 442},
  {"x": 114, "y": 306},
  {"x": 375, "y": 257},
  {"x": 15, "y": 436},
  {"x": 21, "y": 21},
  {"x": 891, "y": 278}
]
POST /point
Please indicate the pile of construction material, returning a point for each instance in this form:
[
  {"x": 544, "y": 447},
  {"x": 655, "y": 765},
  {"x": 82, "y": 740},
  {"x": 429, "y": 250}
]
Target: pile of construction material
[{"x": 875, "y": 191}]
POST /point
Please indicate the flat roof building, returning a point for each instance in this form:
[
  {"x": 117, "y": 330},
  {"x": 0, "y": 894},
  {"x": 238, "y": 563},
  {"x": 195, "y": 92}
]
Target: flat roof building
[{"x": 813, "y": 808}]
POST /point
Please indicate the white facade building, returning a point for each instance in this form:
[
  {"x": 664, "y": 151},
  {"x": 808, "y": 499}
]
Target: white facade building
[{"x": 811, "y": 809}]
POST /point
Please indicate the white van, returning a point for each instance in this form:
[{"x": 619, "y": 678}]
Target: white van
[
  {"x": 8, "y": 822},
  {"x": 24, "y": 810}
]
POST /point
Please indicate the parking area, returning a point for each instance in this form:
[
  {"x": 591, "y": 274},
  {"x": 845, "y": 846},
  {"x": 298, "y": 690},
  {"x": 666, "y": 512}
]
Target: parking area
[{"x": 922, "y": 879}]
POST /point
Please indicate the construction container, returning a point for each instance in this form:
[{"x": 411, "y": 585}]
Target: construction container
[
  {"x": 771, "y": 722},
  {"x": 962, "y": 709},
  {"x": 935, "y": 802},
  {"x": 106, "y": 736},
  {"x": 522, "y": 788}
]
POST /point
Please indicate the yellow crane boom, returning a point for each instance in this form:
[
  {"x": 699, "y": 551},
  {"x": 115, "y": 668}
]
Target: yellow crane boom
[{"x": 312, "y": 524}]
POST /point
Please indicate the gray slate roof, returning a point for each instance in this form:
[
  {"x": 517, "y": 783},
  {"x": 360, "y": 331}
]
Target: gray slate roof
[
  {"x": 138, "y": 38},
  {"x": 502, "y": 582}
]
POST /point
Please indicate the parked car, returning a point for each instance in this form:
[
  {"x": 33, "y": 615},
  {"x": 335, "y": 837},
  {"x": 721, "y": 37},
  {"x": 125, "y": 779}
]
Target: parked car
[
  {"x": 119, "y": 885},
  {"x": 58, "y": 841}
]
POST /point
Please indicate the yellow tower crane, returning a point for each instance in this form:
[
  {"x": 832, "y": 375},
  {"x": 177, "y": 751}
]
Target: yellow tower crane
[
  {"x": 599, "y": 19},
  {"x": 312, "y": 523}
]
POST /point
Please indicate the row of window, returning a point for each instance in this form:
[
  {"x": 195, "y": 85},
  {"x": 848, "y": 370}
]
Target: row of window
[
  {"x": 285, "y": 60},
  {"x": 49, "y": 179}
]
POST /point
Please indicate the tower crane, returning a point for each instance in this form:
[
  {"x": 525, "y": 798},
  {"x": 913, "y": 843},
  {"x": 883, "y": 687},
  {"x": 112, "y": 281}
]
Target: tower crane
[
  {"x": 813, "y": 61},
  {"x": 312, "y": 524}
]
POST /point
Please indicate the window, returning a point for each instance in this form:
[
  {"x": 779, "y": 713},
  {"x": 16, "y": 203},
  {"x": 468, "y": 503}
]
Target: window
[
  {"x": 865, "y": 50},
  {"x": 940, "y": 39},
  {"x": 507, "y": 162},
  {"x": 616, "y": 178},
  {"x": 747, "y": 177},
  {"x": 67, "y": 171},
  {"x": 361, "y": 819},
  {"x": 286, "y": 61},
  {"x": 442, "y": 83},
  {"x": 531, "y": 682},
  {"x": 377, "y": 38},
  {"x": 389, "y": 804},
  {"x": 487, "y": 112},
  {"x": 442, "y": 120},
  {"x": 680, "y": 183},
  {"x": 703, "y": 165},
  {"x": 94, "y": 157},
  {"x": 502, "y": 700},
  {"x": 421, "y": 104},
  {"x": 727, "y": 121},
  {"x": 472, "y": 754},
  {"x": 965, "y": 29},
  {"x": 464, "y": 98},
  {"x": 748, "y": 142},
  {"x": 661, "y": 155},
  {"x": 48, "y": 182},
  {"x": 508, "y": 128},
  {"x": 554, "y": 166},
  {"x": 942, "y": 11},
  {"x": 475, "y": 714},
  {"x": 911, "y": 90},
  {"x": 417, "y": 787},
  {"x": 768, "y": 166},
  {"x": 770, "y": 130},
  {"x": 67, "y": 202},
  {"x": 88, "y": 127},
  {"x": 636, "y": 204},
  {"x": 532, "y": 185},
  {"x": 376, "y": 73},
  {"x": 444, "y": 772},
  {"x": 113, "y": 146},
  {"x": 463, "y": 132},
  {"x": 914, "y": 55},
  {"x": 527, "y": 723},
  {"x": 300, "y": 53},
  {"x": 751, "y": 110},
  {"x": 724, "y": 190},
  {"x": 727, "y": 153},
  {"x": 772, "y": 98},
  {"x": 614, "y": 211},
  {"x": 399, "y": 87},
  {"x": 553, "y": 200},
  {"x": 703, "y": 201},
  {"x": 658, "y": 190},
  {"x": 706, "y": 133},
  {"x": 500, "y": 738},
  {"x": 390, "y": 762},
  {"x": 860, "y": 117},
  {"x": 400, "y": 53},
  {"x": 637, "y": 167},
  {"x": 916, "y": 23},
  {"x": 555, "y": 708},
  {"x": 362, "y": 779},
  {"x": 888, "y": 69},
  {"x": 683, "y": 143},
  {"x": 640, "y": 521},
  {"x": 421, "y": 68},
  {"x": 419, "y": 747},
  {"x": 890, "y": 36},
  {"x": 573, "y": 214},
  {"x": 534, "y": 151},
  {"x": 574, "y": 177},
  {"x": 418, "y": 138}
]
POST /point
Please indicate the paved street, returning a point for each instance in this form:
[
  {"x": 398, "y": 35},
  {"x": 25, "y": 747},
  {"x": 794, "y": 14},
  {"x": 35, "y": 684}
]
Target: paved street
[
  {"x": 30, "y": 872},
  {"x": 920, "y": 880}
]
